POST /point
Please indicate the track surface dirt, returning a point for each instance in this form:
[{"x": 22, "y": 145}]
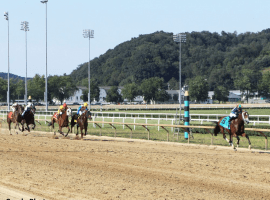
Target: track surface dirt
[{"x": 106, "y": 168}]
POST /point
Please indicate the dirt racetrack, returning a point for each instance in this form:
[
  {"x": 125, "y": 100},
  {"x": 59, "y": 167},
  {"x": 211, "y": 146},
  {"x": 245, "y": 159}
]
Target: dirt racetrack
[{"x": 106, "y": 168}]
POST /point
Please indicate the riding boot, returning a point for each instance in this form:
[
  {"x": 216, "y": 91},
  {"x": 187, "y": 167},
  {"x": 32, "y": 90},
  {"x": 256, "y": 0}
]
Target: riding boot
[{"x": 23, "y": 114}]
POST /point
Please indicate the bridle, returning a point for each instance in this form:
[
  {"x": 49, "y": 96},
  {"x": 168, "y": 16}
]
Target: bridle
[{"x": 246, "y": 120}]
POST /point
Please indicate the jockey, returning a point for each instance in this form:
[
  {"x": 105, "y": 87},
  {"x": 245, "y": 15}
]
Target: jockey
[
  {"x": 61, "y": 109},
  {"x": 234, "y": 113},
  {"x": 28, "y": 106},
  {"x": 79, "y": 112}
]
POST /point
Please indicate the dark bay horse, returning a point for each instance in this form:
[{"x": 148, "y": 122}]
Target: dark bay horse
[
  {"x": 62, "y": 120},
  {"x": 15, "y": 117},
  {"x": 29, "y": 118},
  {"x": 81, "y": 121},
  {"x": 237, "y": 128}
]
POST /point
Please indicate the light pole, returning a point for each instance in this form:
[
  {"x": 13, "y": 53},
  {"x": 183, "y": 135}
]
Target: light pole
[
  {"x": 8, "y": 94},
  {"x": 88, "y": 33},
  {"x": 180, "y": 38},
  {"x": 46, "y": 80},
  {"x": 25, "y": 27}
]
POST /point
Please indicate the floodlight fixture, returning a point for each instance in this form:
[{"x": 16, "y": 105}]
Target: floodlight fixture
[
  {"x": 8, "y": 91},
  {"x": 6, "y": 15},
  {"x": 46, "y": 78},
  {"x": 180, "y": 38},
  {"x": 25, "y": 27},
  {"x": 88, "y": 33}
]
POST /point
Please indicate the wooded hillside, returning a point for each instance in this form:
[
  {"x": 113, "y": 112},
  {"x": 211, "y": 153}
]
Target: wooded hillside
[{"x": 221, "y": 58}]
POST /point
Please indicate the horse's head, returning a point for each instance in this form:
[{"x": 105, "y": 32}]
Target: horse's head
[
  {"x": 69, "y": 112},
  {"x": 20, "y": 109},
  {"x": 245, "y": 117},
  {"x": 89, "y": 114},
  {"x": 33, "y": 109}
]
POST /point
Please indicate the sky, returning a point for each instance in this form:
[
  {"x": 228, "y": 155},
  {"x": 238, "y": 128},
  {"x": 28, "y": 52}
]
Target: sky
[{"x": 113, "y": 22}]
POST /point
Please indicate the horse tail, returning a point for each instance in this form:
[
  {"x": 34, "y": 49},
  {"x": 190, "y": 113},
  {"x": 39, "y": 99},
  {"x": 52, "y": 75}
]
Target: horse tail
[{"x": 217, "y": 129}]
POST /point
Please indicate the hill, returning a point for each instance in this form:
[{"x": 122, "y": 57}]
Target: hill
[
  {"x": 5, "y": 76},
  {"x": 219, "y": 58}
]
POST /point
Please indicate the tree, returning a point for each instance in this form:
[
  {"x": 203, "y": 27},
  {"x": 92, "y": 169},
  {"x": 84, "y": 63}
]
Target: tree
[
  {"x": 3, "y": 89},
  {"x": 20, "y": 89},
  {"x": 153, "y": 89},
  {"x": 247, "y": 81},
  {"x": 130, "y": 91},
  {"x": 94, "y": 90},
  {"x": 198, "y": 89},
  {"x": 264, "y": 85},
  {"x": 61, "y": 87},
  {"x": 173, "y": 84},
  {"x": 113, "y": 95},
  {"x": 36, "y": 87},
  {"x": 221, "y": 93}
]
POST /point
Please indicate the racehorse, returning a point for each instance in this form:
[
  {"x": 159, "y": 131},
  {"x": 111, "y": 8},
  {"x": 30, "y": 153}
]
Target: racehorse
[
  {"x": 62, "y": 120},
  {"x": 29, "y": 118},
  {"x": 15, "y": 117},
  {"x": 81, "y": 121},
  {"x": 237, "y": 128}
]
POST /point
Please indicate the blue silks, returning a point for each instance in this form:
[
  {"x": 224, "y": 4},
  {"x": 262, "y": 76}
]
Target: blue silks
[{"x": 225, "y": 122}]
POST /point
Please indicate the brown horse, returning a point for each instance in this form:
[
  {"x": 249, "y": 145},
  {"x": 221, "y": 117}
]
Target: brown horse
[
  {"x": 62, "y": 120},
  {"x": 29, "y": 118},
  {"x": 81, "y": 121},
  {"x": 237, "y": 128},
  {"x": 15, "y": 117}
]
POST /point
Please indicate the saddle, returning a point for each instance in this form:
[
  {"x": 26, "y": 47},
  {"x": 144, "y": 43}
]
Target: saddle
[
  {"x": 55, "y": 115},
  {"x": 225, "y": 122},
  {"x": 10, "y": 115}
]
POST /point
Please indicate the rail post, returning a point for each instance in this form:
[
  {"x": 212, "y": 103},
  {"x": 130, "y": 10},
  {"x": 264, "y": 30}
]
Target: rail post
[
  {"x": 129, "y": 129},
  {"x": 147, "y": 130},
  {"x": 99, "y": 128},
  {"x": 114, "y": 129},
  {"x": 167, "y": 133},
  {"x": 186, "y": 115}
]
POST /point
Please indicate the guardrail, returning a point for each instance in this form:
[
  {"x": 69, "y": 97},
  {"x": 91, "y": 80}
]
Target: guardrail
[
  {"x": 184, "y": 127},
  {"x": 255, "y": 119}
]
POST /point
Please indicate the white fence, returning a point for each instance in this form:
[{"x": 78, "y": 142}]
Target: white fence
[{"x": 201, "y": 118}]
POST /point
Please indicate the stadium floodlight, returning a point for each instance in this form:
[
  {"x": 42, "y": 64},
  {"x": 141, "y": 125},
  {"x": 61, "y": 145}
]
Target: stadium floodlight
[
  {"x": 8, "y": 92},
  {"x": 180, "y": 38},
  {"x": 46, "y": 79},
  {"x": 25, "y": 27},
  {"x": 88, "y": 33}
]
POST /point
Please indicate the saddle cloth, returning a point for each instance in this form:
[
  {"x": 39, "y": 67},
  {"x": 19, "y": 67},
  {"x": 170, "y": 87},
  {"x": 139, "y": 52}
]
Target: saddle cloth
[
  {"x": 55, "y": 115},
  {"x": 10, "y": 115},
  {"x": 225, "y": 122}
]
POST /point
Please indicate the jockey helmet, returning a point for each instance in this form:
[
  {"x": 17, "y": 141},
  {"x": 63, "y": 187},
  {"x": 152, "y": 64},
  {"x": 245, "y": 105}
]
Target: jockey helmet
[
  {"x": 85, "y": 104},
  {"x": 61, "y": 107},
  {"x": 64, "y": 105},
  {"x": 239, "y": 106}
]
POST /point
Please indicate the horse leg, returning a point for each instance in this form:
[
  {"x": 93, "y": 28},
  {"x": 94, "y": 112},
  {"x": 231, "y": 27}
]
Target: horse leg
[
  {"x": 224, "y": 135},
  {"x": 60, "y": 130},
  {"x": 231, "y": 139},
  {"x": 67, "y": 132},
  {"x": 9, "y": 128},
  {"x": 85, "y": 128},
  {"x": 238, "y": 139},
  {"x": 81, "y": 132},
  {"x": 245, "y": 135}
]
